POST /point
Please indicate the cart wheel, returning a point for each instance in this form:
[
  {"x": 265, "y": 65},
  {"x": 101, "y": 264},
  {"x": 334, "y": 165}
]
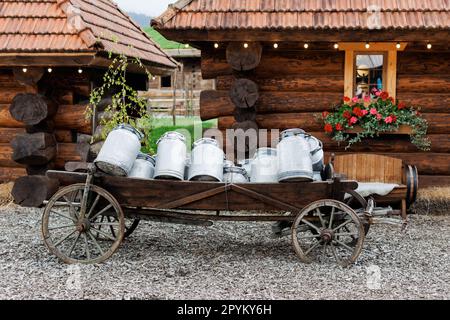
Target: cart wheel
[
  {"x": 71, "y": 237},
  {"x": 328, "y": 229},
  {"x": 358, "y": 203}
]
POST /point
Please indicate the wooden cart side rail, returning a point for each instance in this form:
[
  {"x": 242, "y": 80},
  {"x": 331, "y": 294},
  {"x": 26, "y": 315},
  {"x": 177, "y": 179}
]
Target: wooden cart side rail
[{"x": 212, "y": 196}]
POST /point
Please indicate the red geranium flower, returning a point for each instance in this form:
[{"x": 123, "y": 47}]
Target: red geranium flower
[
  {"x": 384, "y": 95},
  {"x": 358, "y": 112},
  {"x": 328, "y": 128},
  {"x": 347, "y": 99},
  {"x": 339, "y": 127},
  {"x": 394, "y": 118},
  {"x": 347, "y": 114},
  {"x": 391, "y": 99},
  {"x": 325, "y": 114},
  {"x": 401, "y": 106},
  {"x": 353, "y": 120}
]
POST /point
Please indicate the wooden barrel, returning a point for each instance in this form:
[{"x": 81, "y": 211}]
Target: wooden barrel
[{"x": 412, "y": 184}]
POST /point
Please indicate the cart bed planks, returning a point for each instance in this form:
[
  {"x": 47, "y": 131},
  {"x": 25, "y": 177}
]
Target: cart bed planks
[{"x": 165, "y": 194}]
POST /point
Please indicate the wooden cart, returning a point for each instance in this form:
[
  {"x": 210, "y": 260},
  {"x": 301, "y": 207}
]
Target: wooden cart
[{"x": 86, "y": 220}]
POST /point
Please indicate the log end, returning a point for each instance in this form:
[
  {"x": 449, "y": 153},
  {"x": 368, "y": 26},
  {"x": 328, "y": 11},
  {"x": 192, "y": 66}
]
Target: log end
[{"x": 32, "y": 191}]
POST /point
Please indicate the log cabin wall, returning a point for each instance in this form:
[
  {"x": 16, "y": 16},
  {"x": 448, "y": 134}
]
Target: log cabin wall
[
  {"x": 70, "y": 91},
  {"x": 295, "y": 84}
]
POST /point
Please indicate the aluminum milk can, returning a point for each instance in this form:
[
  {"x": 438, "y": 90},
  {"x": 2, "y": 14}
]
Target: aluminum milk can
[
  {"x": 317, "y": 154},
  {"x": 264, "y": 166},
  {"x": 235, "y": 175},
  {"x": 144, "y": 167},
  {"x": 207, "y": 161},
  {"x": 172, "y": 154},
  {"x": 294, "y": 157},
  {"x": 119, "y": 151}
]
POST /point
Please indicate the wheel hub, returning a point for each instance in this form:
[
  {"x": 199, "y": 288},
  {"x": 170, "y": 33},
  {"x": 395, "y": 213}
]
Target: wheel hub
[
  {"x": 84, "y": 226},
  {"x": 327, "y": 235}
]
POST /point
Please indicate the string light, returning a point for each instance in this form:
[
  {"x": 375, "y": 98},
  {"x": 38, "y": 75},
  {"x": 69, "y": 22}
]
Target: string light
[
  {"x": 306, "y": 46},
  {"x": 336, "y": 46},
  {"x": 186, "y": 46},
  {"x": 246, "y": 45},
  {"x": 153, "y": 78},
  {"x": 429, "y": 46},
  {"x": 398, "y": 46},
  {"x": 367, "y": 45},
  {"x": 80, "y": 71},
  {"x": 49, "y": 70},
  {"x": 216, "y": 45},
  {"x": 24, "y": 70},
  {"x": 275, "y": 45}
]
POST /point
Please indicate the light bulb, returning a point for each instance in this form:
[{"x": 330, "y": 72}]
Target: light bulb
[
  {"x": 429, "y": 46},
  {"x": 336, "y": 45},
  {"x": 216, "y": 45},
  {"x": 50, "y": 70},
  {"x": 398, "y": 46},
  {"x": 80, "y": 71},
  {"x": 306, "y": 46},
  {"x": 367, "y": 45},
  {"x": 186, "y": 46},
  {"x": 246, "y": 45},
  {"x": 275, "y": 45},
  {"x": 24, "y": 70}
]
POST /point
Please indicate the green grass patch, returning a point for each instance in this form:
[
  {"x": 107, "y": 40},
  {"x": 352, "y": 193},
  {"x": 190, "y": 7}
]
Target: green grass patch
[{"x": 192, "y": 127}]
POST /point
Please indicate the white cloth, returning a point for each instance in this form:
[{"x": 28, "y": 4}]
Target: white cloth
[{"x": 366, "y": 189}]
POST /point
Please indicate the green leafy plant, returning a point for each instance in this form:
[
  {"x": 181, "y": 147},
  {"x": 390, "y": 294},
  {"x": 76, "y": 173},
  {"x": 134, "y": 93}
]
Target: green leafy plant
[
  {"x": 126, "y": 105},
  {"x": 374, "y": 116}
]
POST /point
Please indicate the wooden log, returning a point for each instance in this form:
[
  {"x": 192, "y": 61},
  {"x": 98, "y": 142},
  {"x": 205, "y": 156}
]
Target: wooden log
[
  {"x": 424, "y": 83},
  {"x": 438, "y": 122},
  {"x": 32, "y": 109},
  {"x": 31, "y": 77},
  {"x": 242, "y": 115},
  {"x": 65, "y": 136},
  {"x": 429, "y": 181},
  {"x": 6, "y": 120},
  {"x": 296, "y": 83},
  {"x": 8, "y": 93},
  {"x": 280, "y": 63},
  {"x": 244, "y": 93},
  {"x": 423, "y": 63},
  {"x": 11, "y": 174},
  {"x": 6, "y": 152},
  {"x": 427, "y": 102},
  {"x": 69, "y": 152},
  {"x": 73, "y": 118},
  {"x": 214, "y": 104},
  {"x": 34, "y": 149},
  {"x": 244, "y": 58},
  {"x": 48, "y": 126},
  {"x": 32, "y": 191},
  {"x": 8, "y": 134},
  {"x": 39, "y": 170}
]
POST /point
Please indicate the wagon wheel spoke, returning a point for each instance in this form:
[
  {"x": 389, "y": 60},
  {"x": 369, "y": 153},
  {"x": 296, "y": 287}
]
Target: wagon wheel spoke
[
  {"x": 96, "y": 244},
  {"x": 111, "y": 227},
  {"x": 87, "y": 252},
  {"x": 67, "y": 236},
  {"x": 322, "y": 222},
  {"x": 324, "y": 251},
  {"x": 333, "y": 249},
  {"x": 313, "y": 247},
  {"x": 80, "y": 244},
  {"x": 331, "y": 217},
  {"x": 73, "y": 245}
]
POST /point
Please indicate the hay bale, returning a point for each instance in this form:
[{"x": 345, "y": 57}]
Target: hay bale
[
  {"x": 5, "y": 194},
  {"x": 433, "y": 201}
]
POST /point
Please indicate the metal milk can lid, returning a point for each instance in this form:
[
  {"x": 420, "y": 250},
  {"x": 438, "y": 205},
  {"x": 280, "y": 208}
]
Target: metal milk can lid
[
  {"x": 206, "y": 141},
  {"x": 146, "y": 157},
  {"x": 172, "y": 135},
  {"x": 292, "y": 132},
  {"x": 238, "y": 170},
  {"x": 125, "y": 126}
]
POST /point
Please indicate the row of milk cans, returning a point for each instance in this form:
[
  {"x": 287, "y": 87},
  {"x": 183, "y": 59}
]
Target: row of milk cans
[{"x": 298, "y": 157}]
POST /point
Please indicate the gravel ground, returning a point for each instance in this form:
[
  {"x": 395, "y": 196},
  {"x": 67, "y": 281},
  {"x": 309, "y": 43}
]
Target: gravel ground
[{"x": 226, "y": 261}]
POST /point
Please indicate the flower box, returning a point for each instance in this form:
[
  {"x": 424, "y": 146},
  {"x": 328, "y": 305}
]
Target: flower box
[{"x": 402, "y": 130}]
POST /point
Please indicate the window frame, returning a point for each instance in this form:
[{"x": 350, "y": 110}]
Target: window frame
[{"x": 388, "y": 48}]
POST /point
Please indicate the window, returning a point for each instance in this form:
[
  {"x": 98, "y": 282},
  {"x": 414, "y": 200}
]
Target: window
[
  {"x": 366, "y": 69},
  {"x": 369, "y": 73},
  {"x": 166, "y": 82}
]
